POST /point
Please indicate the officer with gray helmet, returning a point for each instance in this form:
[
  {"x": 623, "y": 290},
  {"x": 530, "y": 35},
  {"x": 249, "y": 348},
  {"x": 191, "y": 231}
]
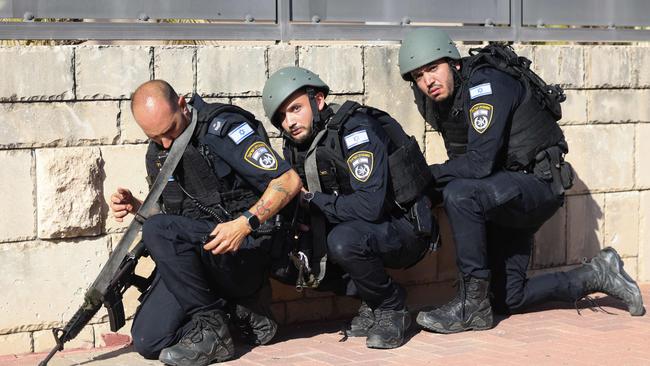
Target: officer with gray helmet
[
  {"x": 349, "y": 186},
  {"x": 494, "y": 194}
]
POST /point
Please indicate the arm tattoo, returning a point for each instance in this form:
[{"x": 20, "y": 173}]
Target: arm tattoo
[
  {"x": 262, "y": 208},
  {"x": 279, "y": 188}
]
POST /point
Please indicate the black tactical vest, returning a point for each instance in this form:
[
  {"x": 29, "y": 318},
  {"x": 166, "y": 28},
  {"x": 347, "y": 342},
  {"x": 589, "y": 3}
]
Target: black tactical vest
[
  {"x": 534, "y": 124},
  {"x": 409, "y": 174},
  {"x": 195, "y": 190}
]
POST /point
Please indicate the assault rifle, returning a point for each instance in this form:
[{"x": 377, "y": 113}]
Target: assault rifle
[
  {"x": 118, "y": 273},
  {"x": 112, "y": 300}
]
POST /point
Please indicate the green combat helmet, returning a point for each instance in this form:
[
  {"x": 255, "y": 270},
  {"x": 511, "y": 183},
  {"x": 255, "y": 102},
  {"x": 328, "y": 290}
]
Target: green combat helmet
[
  {"x": 285, "y": 82},
  {"x": 423, "y": 46}
]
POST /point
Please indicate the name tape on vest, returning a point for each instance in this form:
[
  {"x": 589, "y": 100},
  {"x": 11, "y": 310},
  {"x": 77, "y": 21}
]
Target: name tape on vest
[
  {"x": 480, "y": 90},
  {"x": 356, "y": 139},
  {"x": 240, "y": 133}
]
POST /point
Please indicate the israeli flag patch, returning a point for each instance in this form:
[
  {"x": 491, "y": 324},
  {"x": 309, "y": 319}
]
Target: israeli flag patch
[
  {"x": 240, "y": 133},
  {"x": 480, "y": 90},
  {"x": 356, "y": 139}
]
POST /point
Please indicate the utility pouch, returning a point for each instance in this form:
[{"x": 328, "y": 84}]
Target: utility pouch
[
  {"x": 551, "y": 167},
  {"x": 424, "y": 221}
]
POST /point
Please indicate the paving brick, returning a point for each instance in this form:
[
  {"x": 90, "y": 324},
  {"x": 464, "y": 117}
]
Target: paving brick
[
  {"x": 338, "y": 66},
  {"x": 622, "y": 222},
  {"x": 18, "y": 220},
  {"x": 36, "y": 73},
  {"x": 644, "y": 234},
  {"x": 124, "y": 166},
  {"x": 104, "y": 337},
  {"x": 550, "y": 241},
  {"x": 177, "y": 66},
  {"x": 618, "y": 105},
  {"x": 386, "y": 90},
  {"x": 57, "y": 124},
  {"x": 641, "y": 161},
  {"x": 70, "y": 266},
  {"x": 280, "y": 56},
  {"x": 109, "y": 72},
  {"x": 602, "y": 157},
  {"x": 608, "y": 66},
  {"x": 231, "y": 70},
  {"x": 585, "y": 226}
]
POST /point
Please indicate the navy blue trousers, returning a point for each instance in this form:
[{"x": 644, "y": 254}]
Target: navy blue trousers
[
  {"x": 493, "y": 221},
  {"x": 362, "y": 249},
  {"x": 190, "y": 280}
]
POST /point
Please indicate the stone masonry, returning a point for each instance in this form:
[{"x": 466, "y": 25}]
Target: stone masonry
[{"x": 68, "y": 140}]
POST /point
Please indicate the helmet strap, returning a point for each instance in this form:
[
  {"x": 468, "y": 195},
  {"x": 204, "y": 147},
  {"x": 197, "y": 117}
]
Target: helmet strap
[{"x": 311, "y": 94}]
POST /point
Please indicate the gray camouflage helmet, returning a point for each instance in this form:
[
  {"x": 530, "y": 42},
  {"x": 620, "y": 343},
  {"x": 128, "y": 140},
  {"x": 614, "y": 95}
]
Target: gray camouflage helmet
[
  {"x": 285, "y": 82},
  {"x": 423, "y": 46}
]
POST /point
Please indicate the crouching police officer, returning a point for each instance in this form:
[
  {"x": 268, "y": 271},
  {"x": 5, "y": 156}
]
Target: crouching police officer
[
  {"x": 504, "y": 178},
  {"x": 343, "y": 157},
  {"x": 211, "y": 244}
]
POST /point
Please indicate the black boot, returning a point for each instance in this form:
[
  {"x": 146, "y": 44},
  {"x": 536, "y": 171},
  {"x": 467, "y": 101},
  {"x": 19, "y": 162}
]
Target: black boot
[
  {"x": 470, "y": 309},
  {"x": 253, "y": 317},
  {"x": 388, "y": 329},
  {"x": 207, "y": 342},
  {"x": 605, "y": 273},
  {"x": 360, "y": 324}
]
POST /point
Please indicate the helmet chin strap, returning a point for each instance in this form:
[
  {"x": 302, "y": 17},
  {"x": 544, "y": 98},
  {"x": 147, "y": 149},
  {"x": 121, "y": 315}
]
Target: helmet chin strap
[{"x": 311, "y": 94}]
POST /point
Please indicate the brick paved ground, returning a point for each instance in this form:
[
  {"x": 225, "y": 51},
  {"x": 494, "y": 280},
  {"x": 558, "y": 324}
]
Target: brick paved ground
[{"x": 553, "y": 335}]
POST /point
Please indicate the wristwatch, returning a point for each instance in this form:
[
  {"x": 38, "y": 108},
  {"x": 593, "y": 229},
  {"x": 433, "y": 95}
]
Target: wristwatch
[
  {"x": 253, "y": 221},
  {"x": 308, "y": 196}
]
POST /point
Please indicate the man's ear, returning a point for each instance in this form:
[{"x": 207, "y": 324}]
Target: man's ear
[{"x": 320, "y": 100}]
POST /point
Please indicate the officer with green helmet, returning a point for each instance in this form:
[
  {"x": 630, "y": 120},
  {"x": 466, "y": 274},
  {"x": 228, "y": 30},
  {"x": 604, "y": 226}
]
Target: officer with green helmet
[
  {"x": 504, "y": 178},
  {"x": 343, "y": 161}
]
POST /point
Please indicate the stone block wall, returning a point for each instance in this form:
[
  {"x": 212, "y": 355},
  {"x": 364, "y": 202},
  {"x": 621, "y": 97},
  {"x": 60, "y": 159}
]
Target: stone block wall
[{"x": 68, "y": 140}]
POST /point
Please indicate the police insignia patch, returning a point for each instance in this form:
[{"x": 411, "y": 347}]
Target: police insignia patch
[
  {"x": 261, "y": 156},
  {"x": 360, "y": 164},
  {"x": 481, "y": 116}
]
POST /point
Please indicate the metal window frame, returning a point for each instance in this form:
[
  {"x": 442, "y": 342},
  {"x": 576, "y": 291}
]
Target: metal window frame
[{"x": 285, "y": 30}]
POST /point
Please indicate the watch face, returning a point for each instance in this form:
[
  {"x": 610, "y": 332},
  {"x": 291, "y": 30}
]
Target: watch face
[
  {"x": 254, "y": 222},
  {"x": 308, "y": 196}
]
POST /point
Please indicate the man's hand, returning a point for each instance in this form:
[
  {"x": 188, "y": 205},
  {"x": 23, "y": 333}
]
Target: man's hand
[
  {"x": 228, "y": 236},
  {"x": 123, "y": 203}
]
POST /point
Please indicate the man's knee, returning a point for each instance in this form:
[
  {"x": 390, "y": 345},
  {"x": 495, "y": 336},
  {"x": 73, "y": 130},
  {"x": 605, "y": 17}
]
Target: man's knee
[
  {"x": 459, "y": 193},
  {"x": 343, "y": 242},
  {"x": 147, "y": 344},
  {"x": 153, "y": 227}
]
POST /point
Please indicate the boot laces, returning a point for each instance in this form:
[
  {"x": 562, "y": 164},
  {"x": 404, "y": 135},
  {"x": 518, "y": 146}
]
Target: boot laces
[
  {"x": 201, "y": 322},
  {"x": 593, "y": 305}
]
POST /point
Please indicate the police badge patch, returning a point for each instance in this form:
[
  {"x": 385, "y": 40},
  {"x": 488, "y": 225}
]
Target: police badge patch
[
  {"x": 261, "y": 156},
  {"x": 360, "y": 164},
  {"x": 481, "y": 116}
]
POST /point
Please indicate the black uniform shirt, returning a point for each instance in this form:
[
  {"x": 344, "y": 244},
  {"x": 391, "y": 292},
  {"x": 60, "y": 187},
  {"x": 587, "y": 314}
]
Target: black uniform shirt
[
  {"x": 491, "y": 102},
  {"x": 364, "y": 145},
  {"x": 235, "y": 145}
]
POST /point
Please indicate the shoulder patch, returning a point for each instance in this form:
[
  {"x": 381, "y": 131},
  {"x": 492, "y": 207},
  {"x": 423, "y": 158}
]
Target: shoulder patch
[
  {"x": 216, "y": 125},
  {"x": 239, "y": 133},
  {"x": 481, "y": 116},
  {"x": 360, "y": 165},
  {"x": 480, "y": 90},
  {"x": 356, "y": 138},
  {"x": 261, "y": 156}
]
